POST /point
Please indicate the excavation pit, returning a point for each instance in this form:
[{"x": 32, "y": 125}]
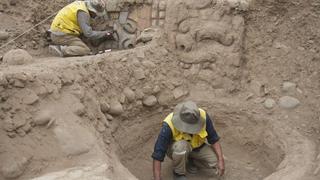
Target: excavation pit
[
  {"x": 244, "y": 141},
  {"x": 74, "y": 118}
]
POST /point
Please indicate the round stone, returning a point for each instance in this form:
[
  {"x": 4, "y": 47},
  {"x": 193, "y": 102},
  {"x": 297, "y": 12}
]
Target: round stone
[
  {"x": 289, "y": 87},
  {"x": 269, "y": 103},
  {"x": 43, "y": 118},
  {"x": 150, "y": 101},
  {"x": 130, "y": 95},
  {"x": 116, "y": 108},
  {"x": 105, "y": 107},
  {"x": 4, "y": 35},
  {"x": 288, "y": 102},
  {"x": 17, "y": 57}
]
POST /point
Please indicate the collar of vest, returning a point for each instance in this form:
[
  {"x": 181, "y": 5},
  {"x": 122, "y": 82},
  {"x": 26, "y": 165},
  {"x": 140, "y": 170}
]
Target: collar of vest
[{"x": 203, "y": 133}]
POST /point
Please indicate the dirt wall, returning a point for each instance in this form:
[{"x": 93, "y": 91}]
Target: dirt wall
[{"x": 80, "y": 114}]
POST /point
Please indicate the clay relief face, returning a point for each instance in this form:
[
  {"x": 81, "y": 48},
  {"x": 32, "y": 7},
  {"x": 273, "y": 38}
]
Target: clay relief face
[
  {"x": 205, "y": 30},
  {"x": 126, "y": 34},
  {"x": 208, "y": 36}
]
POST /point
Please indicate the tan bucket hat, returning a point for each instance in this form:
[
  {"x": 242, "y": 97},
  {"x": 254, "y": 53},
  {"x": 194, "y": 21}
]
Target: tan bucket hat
[
  {"x": 186, "y": 118},
  {"x": 97, "y": 6}
]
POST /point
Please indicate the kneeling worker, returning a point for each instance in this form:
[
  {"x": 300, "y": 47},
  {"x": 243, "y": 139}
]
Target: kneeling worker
[
  {"x": 71, "y": 22},
  {"x": 188, "y": 137}
]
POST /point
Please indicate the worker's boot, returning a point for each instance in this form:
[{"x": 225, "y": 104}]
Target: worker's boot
[
  {"x": 178, "y": 176},
  {"x": 55, "y": 50},
  {"x": 191, "y": 167}
]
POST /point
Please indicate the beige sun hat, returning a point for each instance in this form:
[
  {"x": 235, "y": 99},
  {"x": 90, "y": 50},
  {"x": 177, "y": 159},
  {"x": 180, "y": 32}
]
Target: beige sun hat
[
  {"x": 186, "y": 118},
  {"x": 97, "y": 6}
]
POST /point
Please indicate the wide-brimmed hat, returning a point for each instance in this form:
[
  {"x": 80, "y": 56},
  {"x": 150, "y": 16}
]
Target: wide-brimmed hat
[
  {"x": 186, "y": 118},
  {"x": 97, "y": 6}
]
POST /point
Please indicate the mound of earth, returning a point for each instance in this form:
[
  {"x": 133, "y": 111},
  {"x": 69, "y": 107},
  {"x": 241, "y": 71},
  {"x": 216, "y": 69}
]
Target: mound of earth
[
  {"x": 17, "y": 57},
  {"x": 252, "y": 65}
]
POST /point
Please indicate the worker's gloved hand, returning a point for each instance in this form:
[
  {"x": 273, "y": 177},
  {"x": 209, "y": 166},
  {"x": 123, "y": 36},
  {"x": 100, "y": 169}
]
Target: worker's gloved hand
[{"x": 109, "y": 35}]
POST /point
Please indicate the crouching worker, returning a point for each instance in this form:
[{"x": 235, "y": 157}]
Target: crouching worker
[
  {"x": 73, "y": 21},
  {"x": 188, "y": 138}
]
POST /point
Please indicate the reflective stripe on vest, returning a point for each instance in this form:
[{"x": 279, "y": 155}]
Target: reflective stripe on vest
[
  {"x": 197, "y": 139},
  {"x": 66, "y": 20}
]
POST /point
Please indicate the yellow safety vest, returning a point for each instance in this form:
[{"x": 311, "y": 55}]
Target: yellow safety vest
[
  {"x": 195, "y": 140},
  {"x": 66, "y": 20}
]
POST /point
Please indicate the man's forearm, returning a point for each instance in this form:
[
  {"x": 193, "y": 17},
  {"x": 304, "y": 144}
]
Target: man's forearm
[
  {"x": 156, "y": 170},
  {"x": 220, "y": 164},
  {"x": 218, "y": 151},
  {"x": 84, "y": 23}
]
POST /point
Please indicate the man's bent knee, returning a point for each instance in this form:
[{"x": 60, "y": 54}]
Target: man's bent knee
[
  {"x": 180, "y": 151},
  {"x": 181, "y": 147}
]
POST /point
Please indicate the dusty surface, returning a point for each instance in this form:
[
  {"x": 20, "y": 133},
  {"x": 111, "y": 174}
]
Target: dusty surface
[
  {"x": 19, "y": 16},
  {"x": 242, "y": 161},
  {"x": 253, "y": 65}
]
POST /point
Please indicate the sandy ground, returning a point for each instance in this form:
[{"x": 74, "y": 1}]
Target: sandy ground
[
  {"x": 253, "y": 65},
  {"x": 239, "y": 163}
]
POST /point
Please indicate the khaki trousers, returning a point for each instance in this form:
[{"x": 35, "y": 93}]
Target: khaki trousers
[
  {"x": 70, "y": 45},
  {"x": 181, "y": 152}
]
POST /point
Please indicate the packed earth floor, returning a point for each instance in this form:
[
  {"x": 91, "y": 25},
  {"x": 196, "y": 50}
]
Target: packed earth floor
[{"x": 253, "y": 65}]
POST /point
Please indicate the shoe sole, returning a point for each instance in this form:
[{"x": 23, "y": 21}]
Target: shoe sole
[
  {"x": 55, "y": 51},
  {"x": 192, "y": 171}
]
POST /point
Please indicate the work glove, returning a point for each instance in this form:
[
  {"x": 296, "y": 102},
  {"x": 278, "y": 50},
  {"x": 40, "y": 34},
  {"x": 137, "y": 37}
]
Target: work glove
[{"x": 109, "y": 35}]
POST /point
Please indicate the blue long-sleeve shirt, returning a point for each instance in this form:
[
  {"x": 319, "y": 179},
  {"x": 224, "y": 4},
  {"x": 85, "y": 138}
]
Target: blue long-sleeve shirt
[{"x": 165, "y": 138}]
